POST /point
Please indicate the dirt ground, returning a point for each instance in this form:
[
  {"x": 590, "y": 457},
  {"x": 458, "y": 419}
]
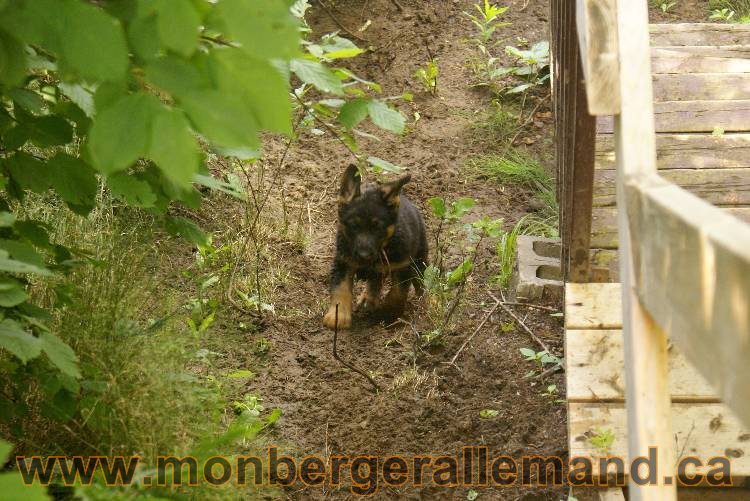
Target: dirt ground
[{"x": 427, "y": 407}]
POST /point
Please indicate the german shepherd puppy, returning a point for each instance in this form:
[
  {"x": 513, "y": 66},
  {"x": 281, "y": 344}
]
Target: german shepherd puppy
[{"x": 379, "y": 233}]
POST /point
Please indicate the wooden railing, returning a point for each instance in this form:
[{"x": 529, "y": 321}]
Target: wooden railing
[{"x": 684, "y": 264}]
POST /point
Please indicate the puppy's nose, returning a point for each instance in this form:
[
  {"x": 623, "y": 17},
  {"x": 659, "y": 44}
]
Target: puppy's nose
[{"x": 364, "y": 254}]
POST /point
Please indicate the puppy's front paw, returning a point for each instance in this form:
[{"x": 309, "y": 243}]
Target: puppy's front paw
[
  {"x": 366, "y": 302},
  {"x": 344, "y": 317}
]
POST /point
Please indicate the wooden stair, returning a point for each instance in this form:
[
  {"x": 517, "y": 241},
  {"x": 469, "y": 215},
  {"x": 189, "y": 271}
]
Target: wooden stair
[
  {"x": 703, "y": 426},
  {"x": 701, "y": 82}
]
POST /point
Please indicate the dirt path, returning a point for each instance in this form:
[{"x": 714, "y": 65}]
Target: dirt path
[{"x": 428, "y": 407}]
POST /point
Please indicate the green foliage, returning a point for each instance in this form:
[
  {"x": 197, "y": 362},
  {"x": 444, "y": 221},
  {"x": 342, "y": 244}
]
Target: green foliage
[
  {"x": 487, "y": 20},
  {"x": 540, "y": 358},
  {"x": 115, "y": 102},
  {"x": 11, "y": 483},
  {"x": 506, "y": 255},
  {"x": 531, "y": 66},
  {"x": 737, "y": 11},
  {"x": 427, "y": 76},
  {"x": 664, "y": 5},
  {"x": 515, "y": 167},
  {"x": 602, "y": 440}
]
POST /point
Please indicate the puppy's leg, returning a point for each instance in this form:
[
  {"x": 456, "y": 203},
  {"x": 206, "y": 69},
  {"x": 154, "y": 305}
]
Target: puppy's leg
[
  {"x": 395, "y": 300},
  {"x": 342, "y": 281},
  {"x": 370, "y": 297}
]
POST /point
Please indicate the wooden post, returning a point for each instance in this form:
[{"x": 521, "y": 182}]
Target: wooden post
[{"x": 645, "y": 344}]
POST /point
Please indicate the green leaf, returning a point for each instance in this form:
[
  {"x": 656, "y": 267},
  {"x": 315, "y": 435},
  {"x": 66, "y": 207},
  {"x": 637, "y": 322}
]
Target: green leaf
[
  {"x": 178, "y": 25},
  {"x": 121, "y": 133},
  {"x": 80, "y": 95},
  {"x": 12, "y": 293},
  {"x": 314, "y": 73},
  {"x": 173, "y": 147},
  {"x": 19, "y": 342},
  {"x": 353, "y": 112},
  {"x": 177, "y": 76},
  {"x": 12, "y": 487},
  {"x": 488, "y": 413},
  {"x": 22, "y": 251},
  {"x": 384, "y": 165},
  {"x": 265, "y": 28},
  {"x": 28, "y": 172},
  {"x": 12, "y": 60},
  {"x": 28, "y": 100},
  {"x": 438, "y": 206},
  {"x": 92, "y": 42},
  {"x": 49, "y": 131},
  {"x": 74, "y": 181},
  {"x": 60, "y": 354},
  {"x": 134, "y": 191},
  {"x": 7, "y": 219},
  {"x": 14, "y": 266},
  {"x": 221, "y": 118},
  {"x": 385, "y": 117},
  {"x": 187, "y": 229},
  {"x": 143, "y": 35},
  {"x": 527, "y": 352},
  {"x": 259, "y": 86}
]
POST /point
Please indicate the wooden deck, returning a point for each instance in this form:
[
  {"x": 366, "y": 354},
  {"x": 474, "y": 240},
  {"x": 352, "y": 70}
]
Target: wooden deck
[
  {"x": 702, "y": 425},
  {"x": 701, "y": 78}
]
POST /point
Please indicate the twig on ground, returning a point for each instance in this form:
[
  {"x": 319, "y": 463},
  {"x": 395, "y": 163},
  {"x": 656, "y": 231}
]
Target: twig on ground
[
  {"x": 530, "y": 119},
  {"x": 523, "y": 325},
  {"x": 398, "y": 5},
  {"x": 529, "y": 305},
  {"x": 549, "y": 371},
  {"x": 344, "y": 363},
  {"x": 479, "y": 327}
]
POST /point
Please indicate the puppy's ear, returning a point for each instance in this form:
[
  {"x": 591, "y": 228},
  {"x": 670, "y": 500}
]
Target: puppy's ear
[
  {"x": 350, "y": 183},
  {"x": 390, "y": 191}
]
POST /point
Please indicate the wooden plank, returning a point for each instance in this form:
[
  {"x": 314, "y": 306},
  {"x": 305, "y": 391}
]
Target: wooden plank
[
  {"x": 700, "y": 430},
  {"x": 594, "y": 369},
  {"x": 692, "y": 267},
  {"x": 692, "y": 34},
  {"x": 716, "y": 186},
  {"x": 612, "y": 494},
  {"x": 693, "y": 116},
  {"x": 604, "y": 224},
  {"x": 593, "y": 306},
  {"x": 596, "y": 22},
  {"x": 687, "y": 151},
  {"x": 701, "y": 87},
  {"x": 701, "y": 59}
]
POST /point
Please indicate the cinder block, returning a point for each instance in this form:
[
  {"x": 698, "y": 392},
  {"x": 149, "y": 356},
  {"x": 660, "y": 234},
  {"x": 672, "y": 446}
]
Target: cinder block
[{"x": 537, "y": 273}]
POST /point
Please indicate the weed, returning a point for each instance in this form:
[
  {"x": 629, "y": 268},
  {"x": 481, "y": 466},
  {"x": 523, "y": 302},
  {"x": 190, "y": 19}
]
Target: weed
[
  {"x": 532, "y": 66},
  {"x": 427, "y": 76},
  {"x": 506, "y": 254},
  {"x": 602, "y": 440},
  {"x": 488, "y": 413},
  {"x": 515, "y": 167},
  {"x": 664, "y": 5},
  {"x": 540, "y": 358},
  {"x": 740, "y": 8},
  {"x": 487, "y": 20},
  {"x": 499, "y": 125}
]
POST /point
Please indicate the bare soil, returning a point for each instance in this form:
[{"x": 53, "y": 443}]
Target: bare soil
[{"x": 427, "y": 407}]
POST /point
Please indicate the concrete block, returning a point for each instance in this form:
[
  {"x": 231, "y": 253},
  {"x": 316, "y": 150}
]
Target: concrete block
[{"x": 537, "y": 273}]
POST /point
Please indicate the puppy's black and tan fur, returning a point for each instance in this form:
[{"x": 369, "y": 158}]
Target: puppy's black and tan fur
[{"x": 380, "y": 233}]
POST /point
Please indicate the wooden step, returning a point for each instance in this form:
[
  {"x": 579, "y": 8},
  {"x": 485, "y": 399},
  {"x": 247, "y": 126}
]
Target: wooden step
[
  {"x": 701, "y": 59},
  {"x": 696, "y": 34},
  {"x": 703, "y": 426},
  {"x": 693, "y": 116},
  {"x": 687, "y": 151}
]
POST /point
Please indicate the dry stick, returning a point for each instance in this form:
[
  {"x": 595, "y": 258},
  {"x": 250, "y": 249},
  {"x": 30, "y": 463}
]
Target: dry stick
[
  {"x": 398, "y": 5},
  {"x": 529, "y": 305},
  {"x": 528, "y": 331},
  {"x": 479, "y": 327},
  {"x": 346, "y": 364},
  {"x": 527, "y": 122},
  {"x": 548, "y": 372}
]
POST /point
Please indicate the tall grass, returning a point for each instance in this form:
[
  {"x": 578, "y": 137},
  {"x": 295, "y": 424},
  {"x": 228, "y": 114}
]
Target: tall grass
[
  {"x": 741, "y": 8},
  {"x": 149, "y": 384}
]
